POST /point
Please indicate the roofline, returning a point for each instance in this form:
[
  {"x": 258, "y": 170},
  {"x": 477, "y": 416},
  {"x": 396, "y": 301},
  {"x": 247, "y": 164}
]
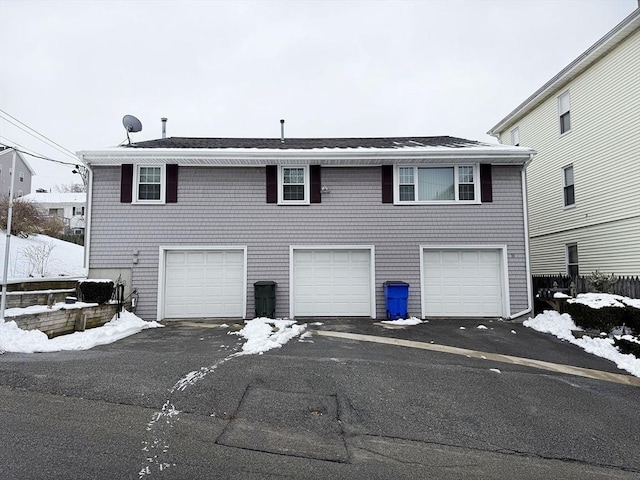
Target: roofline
[
  {"x": 594, "y": 53},
  {"x": 326, "y": 156},
  {"x": 22, "y": 157}
]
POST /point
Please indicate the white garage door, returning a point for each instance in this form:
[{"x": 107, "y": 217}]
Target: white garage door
[
  {"x": 204, "y": 283},
  {"x": 462, "y": 283},
  {"x": 331, "y": 283}
]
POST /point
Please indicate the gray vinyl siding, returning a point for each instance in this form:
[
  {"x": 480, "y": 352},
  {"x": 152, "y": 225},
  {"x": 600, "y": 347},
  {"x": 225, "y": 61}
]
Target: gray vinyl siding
[
  {"x": 227, "y": 206},
  {"x": 5, "y": 177}
]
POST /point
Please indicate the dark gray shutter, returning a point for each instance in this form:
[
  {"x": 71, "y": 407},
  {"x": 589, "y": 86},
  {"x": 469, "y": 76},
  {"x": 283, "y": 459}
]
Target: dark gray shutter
[
  {"x": 316, "y": 184},
  {"x": 486, "y": 187},
  {"x": 172, "y": 184},
  {"x": 272, "y": 183},
  {"x": 126, "y": 183},
  {"x": 387, "y": 184}
]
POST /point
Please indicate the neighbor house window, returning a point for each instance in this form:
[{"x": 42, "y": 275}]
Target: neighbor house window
[
  {"x": 294, "y": 185},
  {"x": 572, "y": 259},
  {"x": 149, "y": 184},
  {"x": 78, "y": 211},
  {"x": 515, "y": 137},
  {"x": 21, "y": 176},
  {"x": 437, "y": 184},
  {"x": 564, "y": 111},
  {"x": 569, "y": 192}
]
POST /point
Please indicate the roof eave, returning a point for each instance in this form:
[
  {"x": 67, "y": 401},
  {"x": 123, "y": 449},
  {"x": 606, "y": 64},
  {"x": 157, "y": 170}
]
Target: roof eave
[{"x": 329, "y": 157}]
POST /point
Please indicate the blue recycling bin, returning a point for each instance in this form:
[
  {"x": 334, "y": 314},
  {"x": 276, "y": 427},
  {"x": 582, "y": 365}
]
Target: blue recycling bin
[{"x": 396, "y": 295}]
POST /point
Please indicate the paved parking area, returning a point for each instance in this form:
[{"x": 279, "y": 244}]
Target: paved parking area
[{"x": 324, "y": 407}]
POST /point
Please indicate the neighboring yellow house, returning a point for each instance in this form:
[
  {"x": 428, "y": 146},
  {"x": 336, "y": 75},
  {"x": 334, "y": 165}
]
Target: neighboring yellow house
[{"x": 584, "y": 184}]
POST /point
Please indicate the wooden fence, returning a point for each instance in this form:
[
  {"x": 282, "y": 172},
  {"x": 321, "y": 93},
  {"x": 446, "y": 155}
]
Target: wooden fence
[{"x": 625, "y": 286}]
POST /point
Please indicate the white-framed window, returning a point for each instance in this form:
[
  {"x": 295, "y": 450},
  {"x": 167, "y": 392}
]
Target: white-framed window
[
  {"x": 437, "y": 184},
  {"x": 572, "y": 259},
  {"x": 564, "y": 112},
  {"x": 21, "y": 176},
  {"x": 568, "y": 186},
  {"x": 515, "y": 137},
  {"x": 149, "y": 181},
  {"x": 293, "y": 185},
  {"x": 78, "y": 211}
]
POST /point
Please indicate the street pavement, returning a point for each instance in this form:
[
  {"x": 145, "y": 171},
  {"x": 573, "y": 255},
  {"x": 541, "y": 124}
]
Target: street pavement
[{"x": 322, "y": 407}]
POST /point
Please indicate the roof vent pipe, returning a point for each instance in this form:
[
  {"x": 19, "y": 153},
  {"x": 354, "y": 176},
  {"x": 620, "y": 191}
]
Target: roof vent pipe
[
  {"x": 282, "y": 131},
  {"x": 164, "y": 127}
]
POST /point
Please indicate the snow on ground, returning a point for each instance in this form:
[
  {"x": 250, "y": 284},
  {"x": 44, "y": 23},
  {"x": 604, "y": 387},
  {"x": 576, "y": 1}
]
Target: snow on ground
[
  {"x": 28, "y": 257},
  {"x": 14, "y": 339},
  {"x": 561, "y": 326},
  {"x": 404, "y": 321},
  {"x": 263, "y": 334}
]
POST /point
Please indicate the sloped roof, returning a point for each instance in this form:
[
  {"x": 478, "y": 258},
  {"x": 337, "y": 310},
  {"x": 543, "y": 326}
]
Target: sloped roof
[
  {"x": 56, "y": 198},
  {"x": 5, "y": 150},
  {"x": 305, "y": 143},
  {"x": 594, "y": 53}
]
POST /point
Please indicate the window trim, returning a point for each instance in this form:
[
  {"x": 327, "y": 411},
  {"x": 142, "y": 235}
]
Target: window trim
[
  {"x": 136, "y": 185},
  {"x": 565, "y": 187},
  {"x": 21, "y": 176},
  {"x": 307, "y": 183},
  {"x": 515, "y": 137},
  {"x": 456, "y": 183},
  {"x": 566, "y": 256},
  {"x": 561, "y": 113}
]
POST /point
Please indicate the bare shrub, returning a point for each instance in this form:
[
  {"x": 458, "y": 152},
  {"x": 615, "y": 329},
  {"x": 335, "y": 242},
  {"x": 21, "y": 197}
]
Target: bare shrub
[
  {"x": 38, "y": 256},
  {"x": 27, "y": 217}
]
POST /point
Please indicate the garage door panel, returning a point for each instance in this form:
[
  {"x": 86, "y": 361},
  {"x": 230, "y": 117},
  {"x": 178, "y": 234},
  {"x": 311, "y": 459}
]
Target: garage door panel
[
  {"x": 332, "y": 282},
  {"x": 207, "y": 283},
  {"x": 462, "y": 282}
]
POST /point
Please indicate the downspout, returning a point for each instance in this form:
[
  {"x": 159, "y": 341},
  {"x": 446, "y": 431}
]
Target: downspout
[
  {"x": 87, "y": 227},
  {"x": 525, "y": 211}
]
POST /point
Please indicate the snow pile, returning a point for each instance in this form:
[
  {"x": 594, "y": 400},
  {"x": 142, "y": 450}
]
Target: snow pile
[
  {"x": 264, "y": 334},
  {"x": 404, "y": 321},
  {"x": 14, "y": 339},
  {"x": 43, "y": 257},
  {"x": 561, "y": 326},
  {"x": 33, "y": 309}
]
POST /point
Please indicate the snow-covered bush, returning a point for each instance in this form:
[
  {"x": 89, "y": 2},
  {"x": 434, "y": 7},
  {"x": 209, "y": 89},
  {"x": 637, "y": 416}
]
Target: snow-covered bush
[{"x": 605, "y": 318}]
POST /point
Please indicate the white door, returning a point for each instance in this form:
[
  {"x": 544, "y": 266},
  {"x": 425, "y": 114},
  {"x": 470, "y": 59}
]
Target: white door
[
  {"x": 462, "y": 283},
  {"x": 204, "y": 283},
  {"x": 328, "y": 282}
]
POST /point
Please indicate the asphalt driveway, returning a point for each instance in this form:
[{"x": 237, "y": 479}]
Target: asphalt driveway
[{"x": 319, "y": 407}]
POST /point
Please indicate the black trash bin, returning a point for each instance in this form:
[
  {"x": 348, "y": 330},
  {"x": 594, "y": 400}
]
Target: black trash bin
[
  {"x": 396, "y": 296},
  {"x": 265, "y": 298}
]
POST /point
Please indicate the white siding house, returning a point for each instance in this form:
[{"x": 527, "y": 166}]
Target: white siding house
[
  {"x": 584, "y": 187},
  {"x": 70, "y": 207}
]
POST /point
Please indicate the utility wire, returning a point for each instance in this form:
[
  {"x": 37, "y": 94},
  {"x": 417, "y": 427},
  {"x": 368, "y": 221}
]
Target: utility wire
[
  {"x": 38, "y": 156},
  {"x": 57, "y": 146}
]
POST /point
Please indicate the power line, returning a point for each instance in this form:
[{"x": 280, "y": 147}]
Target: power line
[
  {"x": 37, "y": 156},
  {"x": 53, "y": 144}
]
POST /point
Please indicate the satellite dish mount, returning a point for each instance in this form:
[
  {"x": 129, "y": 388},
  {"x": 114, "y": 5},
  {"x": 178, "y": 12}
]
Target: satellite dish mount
[{"x": 131, "y": 124}]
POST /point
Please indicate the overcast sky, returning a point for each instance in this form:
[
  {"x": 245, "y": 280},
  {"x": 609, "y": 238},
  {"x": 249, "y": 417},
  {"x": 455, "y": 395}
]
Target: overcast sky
[{"x": 72, "y": 69}]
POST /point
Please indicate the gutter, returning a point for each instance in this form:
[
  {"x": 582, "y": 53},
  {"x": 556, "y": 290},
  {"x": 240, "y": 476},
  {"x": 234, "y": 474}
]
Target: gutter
[{"x": 527, "y": 253}]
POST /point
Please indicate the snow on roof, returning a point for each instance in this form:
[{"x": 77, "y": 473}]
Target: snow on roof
[
  {"x": 61, "y": 198},
  {"x": 4, "y": 151},
  {"x": 325, "y": 151}
]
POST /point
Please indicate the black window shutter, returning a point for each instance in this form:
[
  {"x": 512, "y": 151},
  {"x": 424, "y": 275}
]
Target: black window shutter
[
  {"x": 486, "y": 187},
  {"x": 172, "y": 184},
  {"x": 316, "y": 184},
  {"x": 387, "y": 183},
  {"x": 126, "y": 183},
  {"x": 272, "y": 183}
]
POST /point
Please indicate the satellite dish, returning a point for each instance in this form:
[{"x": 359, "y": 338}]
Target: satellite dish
[{"x": 131, "y": 124}]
